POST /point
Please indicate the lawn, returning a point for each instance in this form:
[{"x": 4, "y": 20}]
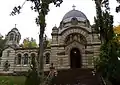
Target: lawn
[{"x": 12, "y": 80}]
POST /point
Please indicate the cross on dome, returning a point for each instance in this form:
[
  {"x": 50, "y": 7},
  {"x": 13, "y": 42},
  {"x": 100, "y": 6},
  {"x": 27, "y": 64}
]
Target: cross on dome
[
  {"x": 73, "y": 7},
  {"x": 15, "y": 25}
]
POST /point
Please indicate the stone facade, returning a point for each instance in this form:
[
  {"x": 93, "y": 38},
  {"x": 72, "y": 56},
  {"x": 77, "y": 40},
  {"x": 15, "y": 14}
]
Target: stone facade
[{"x": 74, "y": 45}]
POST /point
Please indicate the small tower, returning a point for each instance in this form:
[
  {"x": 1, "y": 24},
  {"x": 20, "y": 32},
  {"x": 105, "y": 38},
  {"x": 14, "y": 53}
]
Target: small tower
[
  {"x": 54, "y": 35},
  {"x": 54, "y": 30},
  {"x": 13, "y": 37}
]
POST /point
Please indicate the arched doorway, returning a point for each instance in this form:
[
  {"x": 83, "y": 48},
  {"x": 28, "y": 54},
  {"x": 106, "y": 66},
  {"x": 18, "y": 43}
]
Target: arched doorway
[{"x": 75, "y": 58}]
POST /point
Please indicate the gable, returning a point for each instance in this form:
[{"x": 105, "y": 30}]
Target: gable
[{"x": 7, "y": 52}]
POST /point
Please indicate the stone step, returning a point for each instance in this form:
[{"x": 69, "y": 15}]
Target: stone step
[{"x": 74, "y": 76}]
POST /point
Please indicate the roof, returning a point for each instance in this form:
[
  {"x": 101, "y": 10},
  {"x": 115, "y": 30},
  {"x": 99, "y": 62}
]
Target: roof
[
  {"x": 74, "y": 14},
  {"x": 15, "y": 30}
]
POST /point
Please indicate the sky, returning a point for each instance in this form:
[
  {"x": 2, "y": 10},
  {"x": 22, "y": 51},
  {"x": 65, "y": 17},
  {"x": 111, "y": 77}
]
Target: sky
[{"x": 26, "y": 19}]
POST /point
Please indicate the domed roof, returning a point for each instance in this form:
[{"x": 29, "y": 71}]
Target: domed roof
[
  {"x": 54, "y": 27},
  {"x": 75, "y": 14},
  {"x": 14, "y": 30}
]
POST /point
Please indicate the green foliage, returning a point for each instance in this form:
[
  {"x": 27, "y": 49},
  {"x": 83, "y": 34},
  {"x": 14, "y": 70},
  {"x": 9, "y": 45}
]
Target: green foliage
[
  {"x": 48, "y": 43},
  {"x": 107, "y": 63},
  {"x": 32, "y": 78},
  {"x": 103, "y": 21},
  {"x": 12, "y": 80},
  {"x": 2, "y": 44},
  {"x": 42, "y": 7},
  {"x": 27, "y": 43}
]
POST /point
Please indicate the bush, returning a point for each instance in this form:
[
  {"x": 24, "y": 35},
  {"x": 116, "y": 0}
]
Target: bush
[{"x": 32, "y": 78}]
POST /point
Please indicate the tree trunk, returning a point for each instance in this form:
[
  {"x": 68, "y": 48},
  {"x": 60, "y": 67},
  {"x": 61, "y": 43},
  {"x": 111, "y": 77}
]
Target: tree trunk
[{"x": 40, "y": 60}]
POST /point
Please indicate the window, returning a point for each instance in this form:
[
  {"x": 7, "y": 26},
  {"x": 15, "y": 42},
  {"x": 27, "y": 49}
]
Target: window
[
  {"x": 15, "y": 60},
  {"x": 8, "y": 52},
  {"x": 61, "y": 61},
  {"x": 33, "y": 55},
  {"x": 33, "y": 63},
  {"x": 11, "y": 37},
  {"x": 0, "y": 60},
  {"x": 74, "y": 21},
  {"x": 47, "y": 58},
  {"x": 16, "y": 37},
  {"x": 25, "y": 58},
  {"x": 6, "y": 66},
  {"x": 19, "y": 59}
]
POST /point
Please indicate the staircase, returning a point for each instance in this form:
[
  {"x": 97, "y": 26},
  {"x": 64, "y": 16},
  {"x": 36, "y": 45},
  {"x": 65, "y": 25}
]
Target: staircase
[{"x": 76, "y": 77}]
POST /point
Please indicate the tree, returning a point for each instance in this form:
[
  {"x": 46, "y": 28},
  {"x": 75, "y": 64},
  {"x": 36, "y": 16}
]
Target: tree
[
  {"x": 27, "y": 43},
  {"x": 42, "y": 7},
  {"x": 103, "y": 20},
  {"x": 118, "y": 7},
  {"x": 107, "y": 64},
  {"x": 32, "y": 77},
  {"x": 117, "y": 29},
  {"x": 48, "y": 43},
  {"x": 117, "y": 33}
]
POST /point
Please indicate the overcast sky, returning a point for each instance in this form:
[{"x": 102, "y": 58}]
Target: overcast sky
[{"x": 26, "y": 19}]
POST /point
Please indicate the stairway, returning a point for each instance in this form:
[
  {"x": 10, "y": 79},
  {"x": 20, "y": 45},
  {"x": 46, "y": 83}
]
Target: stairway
[{"x": 76, "y": 77}]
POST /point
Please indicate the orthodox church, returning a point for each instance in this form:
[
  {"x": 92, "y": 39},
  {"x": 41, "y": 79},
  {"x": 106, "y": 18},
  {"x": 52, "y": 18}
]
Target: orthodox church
[{"x": 74, "y": 44}]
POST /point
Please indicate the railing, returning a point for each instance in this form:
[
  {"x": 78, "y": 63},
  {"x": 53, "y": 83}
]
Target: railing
[
  {"x": 51, "y": 75},
  {"x": 103, "y": 81}
]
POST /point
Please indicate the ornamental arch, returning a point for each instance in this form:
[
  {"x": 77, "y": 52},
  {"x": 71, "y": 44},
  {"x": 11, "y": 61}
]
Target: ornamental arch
[{"x": 69, "y": 31}]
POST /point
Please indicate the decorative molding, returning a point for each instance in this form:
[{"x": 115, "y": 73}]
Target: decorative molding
[
  {"x": 61, "y": 53},
  {"x": 73, "y": 31}
]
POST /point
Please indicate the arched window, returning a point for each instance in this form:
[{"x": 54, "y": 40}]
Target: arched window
[
  {"x": 47, "y": 55},
  {"x": 61, "y": 61},
  {"x": 0, "y": 60},
  {"x": 33, "y": 55},
  {"x": 26, "y": 58},
  {"x": 74, "y": 21},
  {"x": 16, "y": 37},
  {"x": 19, "y": 59},
  {"x": 33, "y": 59},
  {"x": 8, "y": 53},
  {"x": 15, "y": 60},
  {"x": 11, "y": 37},
  {"x": 6, "y": 66}
]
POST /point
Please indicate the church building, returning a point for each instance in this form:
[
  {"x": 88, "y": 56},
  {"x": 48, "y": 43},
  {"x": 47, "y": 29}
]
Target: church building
[{"x": 74, "y": 44}]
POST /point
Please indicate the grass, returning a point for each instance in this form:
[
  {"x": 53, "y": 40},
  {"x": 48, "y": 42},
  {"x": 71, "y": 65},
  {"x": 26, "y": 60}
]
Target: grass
[{"x": 12, "y": 80}]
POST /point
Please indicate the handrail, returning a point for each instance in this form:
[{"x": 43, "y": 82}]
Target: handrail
[
  {"x": 103, "y": 81},
  {"x": 44, "y": 83},
  {"x": 48, "y": 77}
]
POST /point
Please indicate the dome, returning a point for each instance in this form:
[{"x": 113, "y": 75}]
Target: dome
[
  {"x": 54, "y": 27},
  {"x": 15, "y": 30},
  {"x": 75, "y": 14}
]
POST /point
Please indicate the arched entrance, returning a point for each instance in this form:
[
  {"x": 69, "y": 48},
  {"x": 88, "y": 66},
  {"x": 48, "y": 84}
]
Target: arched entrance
[{"x": 75, "y": 58}]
